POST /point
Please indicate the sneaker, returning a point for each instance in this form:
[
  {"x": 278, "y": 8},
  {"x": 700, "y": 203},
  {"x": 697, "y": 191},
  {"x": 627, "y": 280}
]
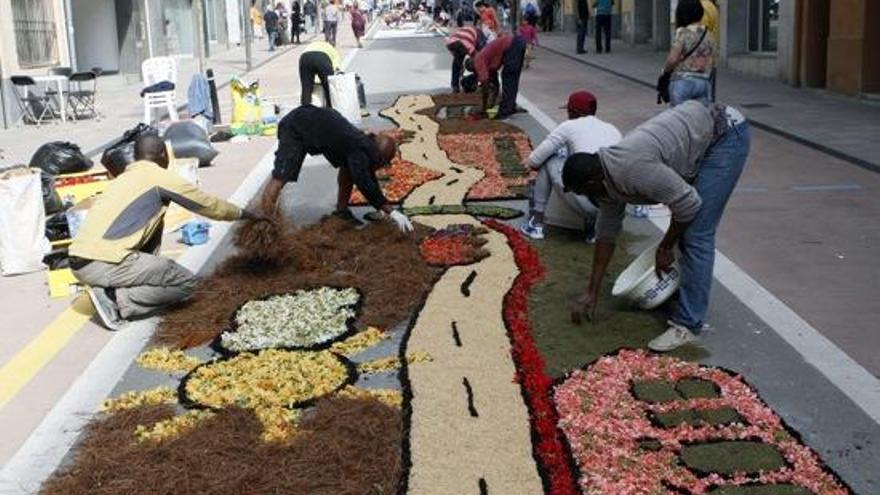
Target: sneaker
[
  {"x": 673, "y": 338},
  {"x": 640, "y": 211},
  {"x": 532, "y": 230},
  {"x": 106, "y": 308}
]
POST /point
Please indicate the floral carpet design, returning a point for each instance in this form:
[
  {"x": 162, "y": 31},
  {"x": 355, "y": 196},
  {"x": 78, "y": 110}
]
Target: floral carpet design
[{"x": 639, "y": 423}]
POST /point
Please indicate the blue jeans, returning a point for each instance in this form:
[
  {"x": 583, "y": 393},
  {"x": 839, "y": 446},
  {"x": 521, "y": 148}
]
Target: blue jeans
[
  {"x": 273, "y": 37},
  {"x": 689, "y": 88},
  {"x": 722, "y": 165}
]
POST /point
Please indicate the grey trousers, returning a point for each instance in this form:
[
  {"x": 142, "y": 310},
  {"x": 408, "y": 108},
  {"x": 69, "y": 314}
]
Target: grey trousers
[
  {"x": 549, "y": 178},
  {"x": 144, "y": 282}
]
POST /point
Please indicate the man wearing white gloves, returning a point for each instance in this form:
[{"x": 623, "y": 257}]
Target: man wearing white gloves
[
  {"x": 315, "y": 130},
  {"x": 582, "y": 133}
]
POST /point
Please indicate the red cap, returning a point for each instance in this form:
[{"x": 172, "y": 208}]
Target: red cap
[{"x": 582, "y": 103}]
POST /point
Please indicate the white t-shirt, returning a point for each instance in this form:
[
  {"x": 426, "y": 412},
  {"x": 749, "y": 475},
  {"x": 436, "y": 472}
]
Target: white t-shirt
[
  {"x": 581, "y": 135},
  {"x": 331, "y": 13}
]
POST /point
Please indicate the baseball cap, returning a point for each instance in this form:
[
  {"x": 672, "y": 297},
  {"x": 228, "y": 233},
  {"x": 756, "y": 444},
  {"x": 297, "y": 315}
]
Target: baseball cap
[{"x": 582, "y": 102}]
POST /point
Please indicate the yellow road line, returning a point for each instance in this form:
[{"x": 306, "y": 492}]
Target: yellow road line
[{"x": 18, "y": 371}]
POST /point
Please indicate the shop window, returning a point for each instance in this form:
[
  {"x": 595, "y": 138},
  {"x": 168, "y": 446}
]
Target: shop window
[
  {"x": 763, "y": 25},
  {"x": 36, "y": 39}
]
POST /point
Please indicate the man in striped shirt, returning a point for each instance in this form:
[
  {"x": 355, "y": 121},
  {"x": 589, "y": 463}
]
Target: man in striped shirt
[
  {"x": 506, "y": 55},
  {"x": 462, "y": 43}
]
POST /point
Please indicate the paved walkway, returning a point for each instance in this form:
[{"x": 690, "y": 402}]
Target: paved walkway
[
  {"x": 45, "y": 344},
  {"x": 122, "y": 108},
  {"x": 843, "y": 127}
]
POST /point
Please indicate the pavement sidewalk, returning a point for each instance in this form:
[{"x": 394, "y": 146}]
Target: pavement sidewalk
[
  {"x": 122, "y": 108},
  {"x": 843, "y": 127},
  {"x": 46, "y": 344}
]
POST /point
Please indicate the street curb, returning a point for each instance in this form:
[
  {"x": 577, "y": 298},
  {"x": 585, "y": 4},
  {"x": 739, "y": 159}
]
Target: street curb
[{"x": 840, "y": 155}]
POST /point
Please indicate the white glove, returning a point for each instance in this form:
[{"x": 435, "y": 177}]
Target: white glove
[{"x": 401, "y": 220}]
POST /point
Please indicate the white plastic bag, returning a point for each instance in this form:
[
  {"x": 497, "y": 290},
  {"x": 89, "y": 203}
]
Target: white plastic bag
[
  {"x": 23, "y": 241},
  {"x": 343, "y": 95}
]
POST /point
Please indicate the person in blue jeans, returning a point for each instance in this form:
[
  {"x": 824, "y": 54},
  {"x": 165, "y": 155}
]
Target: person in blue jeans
[
  {"x": 270, "y": 20},
  {"x": 691, "y": 57},
  {"x": 603, "y": 24},
  {"x": 689, "y": 158}
]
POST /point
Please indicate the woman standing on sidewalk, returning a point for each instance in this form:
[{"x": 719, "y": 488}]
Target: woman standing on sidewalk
[
  {"x": 691, "y": 57},
  {"x": 358, "y": 23}
]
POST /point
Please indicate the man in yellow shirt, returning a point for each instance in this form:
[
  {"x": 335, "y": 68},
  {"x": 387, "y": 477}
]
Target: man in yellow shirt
[
  {"x": 318, "y": 61},
  {"x": 115, "y": 251}
]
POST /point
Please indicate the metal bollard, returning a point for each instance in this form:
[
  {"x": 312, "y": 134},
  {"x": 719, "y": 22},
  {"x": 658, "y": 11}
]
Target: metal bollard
[{"x": 215, "y": 103}]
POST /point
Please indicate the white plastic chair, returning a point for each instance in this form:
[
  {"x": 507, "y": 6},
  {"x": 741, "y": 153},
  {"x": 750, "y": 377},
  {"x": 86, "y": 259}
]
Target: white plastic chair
[{"x": 155, "y": 70}]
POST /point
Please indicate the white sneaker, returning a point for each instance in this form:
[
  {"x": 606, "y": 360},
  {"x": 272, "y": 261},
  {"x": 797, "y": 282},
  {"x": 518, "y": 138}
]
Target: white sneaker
[
  {"x": 532, "y": 230},
  {"x": 106, "y": 308},
  {"x": 673, "y": 338}
]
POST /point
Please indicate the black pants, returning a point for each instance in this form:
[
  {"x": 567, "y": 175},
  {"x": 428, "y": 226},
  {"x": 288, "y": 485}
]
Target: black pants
[
  {"x": 313, "y": 64},
  {"x": 512, "y": 64},
  {"x": 581, "y": 35},
  {"x": 603, "y": 25},
  {"x": 459, "y": 52},
  {"x": 294, "y": 29}
]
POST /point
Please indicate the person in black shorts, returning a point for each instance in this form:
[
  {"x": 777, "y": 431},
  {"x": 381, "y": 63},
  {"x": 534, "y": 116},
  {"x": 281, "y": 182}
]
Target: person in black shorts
[{"x": 312, "y": 64}]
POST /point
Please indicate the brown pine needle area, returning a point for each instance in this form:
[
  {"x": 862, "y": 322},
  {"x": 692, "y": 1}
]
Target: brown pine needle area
[
  {"x": 343, "y": 447},
  {"x": 384, "y": 264}
]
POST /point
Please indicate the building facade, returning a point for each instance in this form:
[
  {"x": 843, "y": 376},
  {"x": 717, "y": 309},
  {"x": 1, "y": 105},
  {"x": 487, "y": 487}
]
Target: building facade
[
  {"x": 115, "y": 36},
  {"x": 829, "y": 44}
]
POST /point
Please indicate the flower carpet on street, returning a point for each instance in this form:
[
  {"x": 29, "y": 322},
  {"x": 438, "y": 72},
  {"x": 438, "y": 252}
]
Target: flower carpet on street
[
  {"x": 375, "y": 362},
  {"x": 643, "y": 424},
  {"x": 306, "y": 318},
  {"x": 454, "y": 245}
]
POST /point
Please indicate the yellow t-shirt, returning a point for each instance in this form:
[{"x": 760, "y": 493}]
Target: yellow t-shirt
[
  {"x": 127, "y": 214},
  {"x": 710, "y": 20}
]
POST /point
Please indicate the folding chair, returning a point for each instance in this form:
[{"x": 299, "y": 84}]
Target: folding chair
[
  {"x": 35, "y": 108},
  {"x": 156, "y": 70},
  {"x": 82, "y": 95}
]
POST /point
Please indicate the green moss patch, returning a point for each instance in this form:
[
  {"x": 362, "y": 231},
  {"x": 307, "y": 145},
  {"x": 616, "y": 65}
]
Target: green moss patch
[
  {"x": 699, "y": 417},
  {"x": 655, "y": 391},
  {"x": 761, "y": 490},
  {"x": 729, "y": 457},
  {"x": 697, "y": 389},
  {"x": 490, "y": 211},
  {"x": 566, "y": 346}
]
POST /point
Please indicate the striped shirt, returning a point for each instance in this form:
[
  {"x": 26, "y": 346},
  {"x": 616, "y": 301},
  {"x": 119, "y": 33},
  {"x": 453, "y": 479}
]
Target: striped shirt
[
  {"x": 468, "y": 36},
  {"x": 656, "y": 163}
]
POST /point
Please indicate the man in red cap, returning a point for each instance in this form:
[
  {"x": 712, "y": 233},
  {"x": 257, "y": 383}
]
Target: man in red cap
[{"x": 582, "y": 132}]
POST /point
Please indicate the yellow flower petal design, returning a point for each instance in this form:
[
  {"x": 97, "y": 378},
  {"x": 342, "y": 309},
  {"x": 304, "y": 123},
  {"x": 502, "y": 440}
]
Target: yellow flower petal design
[
  {"x": 358, "y": 342},
  {"x": 168, "y": 360},
  {"x": 138, "y": 398},
  {"x": 390, "y": 397},
  {"x": 173, "y": 427}
]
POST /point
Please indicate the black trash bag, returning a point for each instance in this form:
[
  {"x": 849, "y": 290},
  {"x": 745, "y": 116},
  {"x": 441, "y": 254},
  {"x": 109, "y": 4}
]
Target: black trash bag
[
  {"x": 57, "y": 258},
  {"x": 57, "y": 228},
  {"x": 189, "y": 140},
  {"x": 52, "y": 202},
  {"x": 58, "y": 158},
  {"x": 469, "y": 83},
  {"x": 121, "y": 153}
]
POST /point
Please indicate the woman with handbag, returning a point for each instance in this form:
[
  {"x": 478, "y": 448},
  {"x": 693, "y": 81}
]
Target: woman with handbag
[{"x": 688, "y": 68}]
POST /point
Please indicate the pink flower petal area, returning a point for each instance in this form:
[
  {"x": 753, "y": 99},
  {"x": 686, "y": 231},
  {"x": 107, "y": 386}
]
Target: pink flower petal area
[{"x": 604, "y": 422}]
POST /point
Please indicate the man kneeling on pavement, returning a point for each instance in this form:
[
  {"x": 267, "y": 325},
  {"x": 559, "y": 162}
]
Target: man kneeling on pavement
[
  {"x": 582, "y": 133},
  {"x": 689, "y": 158},
  {"x": 115, "y": 252}
]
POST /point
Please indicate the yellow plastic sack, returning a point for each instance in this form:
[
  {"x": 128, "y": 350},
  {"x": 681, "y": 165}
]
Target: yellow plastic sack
[{"x": 246, "y": 101}]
